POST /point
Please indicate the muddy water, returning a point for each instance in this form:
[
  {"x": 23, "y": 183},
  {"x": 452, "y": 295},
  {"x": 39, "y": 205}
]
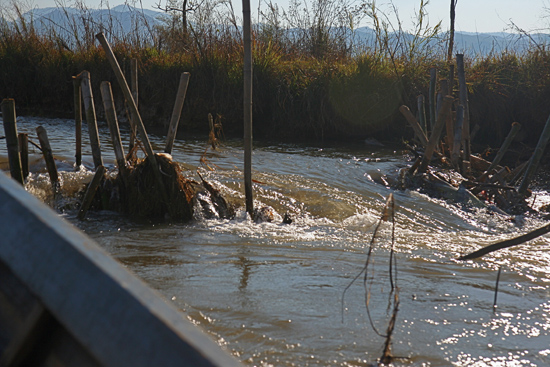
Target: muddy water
[{"x": 273, "y": 294}]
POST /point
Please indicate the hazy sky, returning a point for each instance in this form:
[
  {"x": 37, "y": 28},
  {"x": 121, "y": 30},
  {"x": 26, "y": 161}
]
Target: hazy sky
[{"x": 471, "y": 15}]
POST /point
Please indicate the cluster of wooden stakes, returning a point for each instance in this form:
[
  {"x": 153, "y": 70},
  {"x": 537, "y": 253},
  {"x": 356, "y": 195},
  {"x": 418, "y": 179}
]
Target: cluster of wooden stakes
[
  {"x": 152, "y": 188},
  {"x": 446, "y": 167}
]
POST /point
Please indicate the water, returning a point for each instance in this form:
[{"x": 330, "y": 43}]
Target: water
[{"x": 273, "y": 294}]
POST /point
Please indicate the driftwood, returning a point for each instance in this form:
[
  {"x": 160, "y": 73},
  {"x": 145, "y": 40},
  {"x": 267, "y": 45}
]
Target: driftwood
[{"x": 507, "y": 243}]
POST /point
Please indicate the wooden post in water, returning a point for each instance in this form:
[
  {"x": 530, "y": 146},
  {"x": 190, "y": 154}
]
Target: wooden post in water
[
  {"x": 247, "y": 109},
  {"x": 176, "y": 112},
  {"x": 77, "y": 87},
  {"x": 90, "y": 192},
  {"x": 136, "y": 117},
  {"x": 110, "y": 115},
  {"x": 503, "y": 148},
  {"x": 535, "y": 158},
  {"x": 135, "y": 94},
  {"x": 433, "y": 82},
  {"x": 24, "y": 153},
  {"x": 436, "y": 133},
  {"x": 10, "y": 130},
  {"x": 464, "y": 101},
  {"x": 48, "y": 157},
  {"x": 418, "y": 131},
  {"x": 89, "y": 108},
  {"x": 455, "y": 153},
  {"x": 421, "y": 105}
]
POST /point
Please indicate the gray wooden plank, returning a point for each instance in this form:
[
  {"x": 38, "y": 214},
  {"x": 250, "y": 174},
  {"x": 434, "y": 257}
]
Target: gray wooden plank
[{"x": 119, "y": 319}]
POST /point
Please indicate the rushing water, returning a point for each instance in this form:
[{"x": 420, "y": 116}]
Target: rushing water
[{"x": 274, "y": 294}]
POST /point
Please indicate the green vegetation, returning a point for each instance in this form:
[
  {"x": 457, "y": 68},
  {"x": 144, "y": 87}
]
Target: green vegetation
[{"x": 314, "y": 82}]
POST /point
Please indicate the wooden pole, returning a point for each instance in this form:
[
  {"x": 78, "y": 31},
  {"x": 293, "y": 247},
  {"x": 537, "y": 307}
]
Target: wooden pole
[
  {"x": 503, "y": 149},
  {"x": 24, "y": 153},
  {"x": 91, "y": 119},
  {"x": 77, "y": 87},
  {"x": 535, "y": 158},
  {"x": 421, "y": 105},
  {"x": 110, "y": 115},
  {"x": 419, "y": 132},
  {"x": 436, "y": 133},
  {"x": 455, "y": 153},
  {"x": 247, "y": 109},
  {"x": 135, "y": 114},
  {"x": 90, "y": 192},
  {"x": 464, "y": 101},
  {"x": 48, "y": 157},
  {"x": 10, "y": 130},
  {"x": 135, "y": 94},
  {"x": 433, "y": 81},
  {"x": 176, "y": 112}
]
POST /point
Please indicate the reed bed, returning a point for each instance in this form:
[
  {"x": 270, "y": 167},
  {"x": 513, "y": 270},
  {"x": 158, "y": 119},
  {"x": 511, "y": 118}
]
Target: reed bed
[{"x": 315, "y": 82}]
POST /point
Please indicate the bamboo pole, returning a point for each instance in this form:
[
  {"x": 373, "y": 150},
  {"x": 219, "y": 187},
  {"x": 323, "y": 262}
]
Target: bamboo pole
[
  {"x": 419, "y": 132},
  {"x": 10, "y": 130},
  {"x": 433, "y": 81},
  {"x": 247, "y": 109},
  {"x": 135, "y": 94},
  {"x": 421, "y": 106},
  {"x": 463, "y": 93},
  {"x": 535, "y": 158},
  {"x": 24, "y": 153},
  {"x": 455, "y": 153},
  {"x": 176, "y": 112},
  {"x": 110, "y": 115},
  {"x": 91, "y": 119},
  {"x": 77, "y": 87},
  {"x": 48, "y": 157},
  {"x": 436, "y": 133},
  {"x": 90, "y": 192},
  {"x": 135, "y": 114},
  {"x": 503, "y": 149}
]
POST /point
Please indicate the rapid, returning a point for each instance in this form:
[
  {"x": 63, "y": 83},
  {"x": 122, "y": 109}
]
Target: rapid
[{"x": 277, "y": 294}]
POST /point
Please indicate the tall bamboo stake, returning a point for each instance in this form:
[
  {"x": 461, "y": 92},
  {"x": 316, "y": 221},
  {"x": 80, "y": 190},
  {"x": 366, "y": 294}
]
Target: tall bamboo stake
[
  {"x": 503, "y": 149},
  {"x": 24, "y": 153},
  {"x": 89, "y": 108},
  {"x": 535, "y": 158},
  {"x": 77, "y": 87},
  {"x": 433, "y": 82},
  {"x": 135, "y": 94},
  {"x": 176, "y": 112},
  {"x": 247, "y": 109},
  {"x": 90, "y": 192},
  {"x": 48, "y": 157},
  {"x": 12, "y": 142},
  {"x": 464, "y": 101},
  {"x": 455, "y": 153},
  {"x": 110, "y": 115},
  {"x": 136, "y": 117},
  {"x": 421, "y": 105},
  {"x": 436, "y": 133},
  {"x": 418, "y": 131}
]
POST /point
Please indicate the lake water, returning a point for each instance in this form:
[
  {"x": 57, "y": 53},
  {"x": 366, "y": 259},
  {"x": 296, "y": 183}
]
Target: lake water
[{"x": 274, "y": 294}]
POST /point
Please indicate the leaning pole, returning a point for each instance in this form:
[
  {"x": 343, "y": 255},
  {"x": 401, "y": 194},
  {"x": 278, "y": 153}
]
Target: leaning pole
[{"x": 247, "y": 109}]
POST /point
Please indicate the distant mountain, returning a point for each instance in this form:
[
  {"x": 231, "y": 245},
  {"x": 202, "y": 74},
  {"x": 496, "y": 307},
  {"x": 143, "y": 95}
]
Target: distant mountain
[{"x": 123, "y": 20}]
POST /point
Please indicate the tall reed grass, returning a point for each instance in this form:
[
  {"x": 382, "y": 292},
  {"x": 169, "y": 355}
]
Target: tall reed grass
[{"x": 313, "y": 78}]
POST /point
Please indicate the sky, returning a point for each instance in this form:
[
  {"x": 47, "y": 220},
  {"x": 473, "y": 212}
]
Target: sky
[{"x": 471, "y": 15}]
